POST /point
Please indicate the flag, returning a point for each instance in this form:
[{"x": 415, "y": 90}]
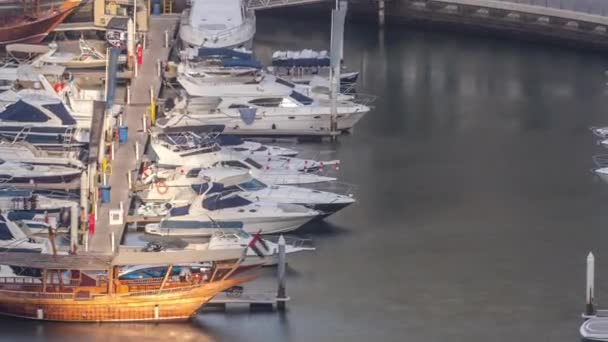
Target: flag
[{"x": 257, "y": 243}]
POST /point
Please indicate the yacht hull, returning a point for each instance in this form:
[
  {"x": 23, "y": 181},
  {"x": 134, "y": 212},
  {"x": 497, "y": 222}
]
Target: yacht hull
[
  {"x": 274, "y": 225},
  {"x": 277, "y": 125}
]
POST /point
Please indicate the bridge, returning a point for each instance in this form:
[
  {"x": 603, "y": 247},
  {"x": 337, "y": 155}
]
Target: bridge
[{"x": 563, "y": 20}]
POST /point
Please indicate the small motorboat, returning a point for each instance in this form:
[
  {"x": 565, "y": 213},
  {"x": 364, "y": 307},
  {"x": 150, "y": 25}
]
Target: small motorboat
[{"x": 217, "y": 24}]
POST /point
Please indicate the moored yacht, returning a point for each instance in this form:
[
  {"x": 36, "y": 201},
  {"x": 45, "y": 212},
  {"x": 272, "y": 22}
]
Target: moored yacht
[
  {"x": 262, "y": 216},
  {"x": 217, "y": 24},
  {"x": 172, "y": 153},
  {"x": 290, "y": 114},
  {"x": 180, "y": 188},
  {"x": 41, "y": 119}
]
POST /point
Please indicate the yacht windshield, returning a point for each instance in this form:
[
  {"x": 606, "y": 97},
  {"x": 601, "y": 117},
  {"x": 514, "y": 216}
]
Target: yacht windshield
[
  {"x": 252, "y": 185},
  {"x": 217, "y": 202},
  {"x": 253, "y": 163}
]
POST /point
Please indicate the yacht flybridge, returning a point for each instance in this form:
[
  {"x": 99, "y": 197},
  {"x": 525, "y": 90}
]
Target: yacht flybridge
[{"x": 217, "y": 24}]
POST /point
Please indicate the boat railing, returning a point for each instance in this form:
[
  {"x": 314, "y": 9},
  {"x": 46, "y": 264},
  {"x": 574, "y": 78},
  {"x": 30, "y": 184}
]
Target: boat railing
[
  {"x": 163, "y": 291},
  {"x": 20, "y": 280},
  {"x": 336, "y": 187}
]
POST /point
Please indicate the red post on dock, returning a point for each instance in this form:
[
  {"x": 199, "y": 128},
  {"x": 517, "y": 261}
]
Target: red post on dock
[
  {"x": 91, "y": 223},
  {"x": 140, "y": 54}
]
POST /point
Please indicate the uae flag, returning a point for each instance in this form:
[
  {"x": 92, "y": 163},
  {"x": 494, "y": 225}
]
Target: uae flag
[{"x": 258, "y": 245}]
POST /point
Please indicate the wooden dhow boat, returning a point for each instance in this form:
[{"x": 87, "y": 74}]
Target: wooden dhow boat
[
  {"x": 87, "y": 288},
  {"x": 33, "y": 25}
]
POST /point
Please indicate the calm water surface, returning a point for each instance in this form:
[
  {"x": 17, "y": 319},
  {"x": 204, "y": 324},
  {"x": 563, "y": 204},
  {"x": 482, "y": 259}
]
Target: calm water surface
[{"x": 476, "y": 205}]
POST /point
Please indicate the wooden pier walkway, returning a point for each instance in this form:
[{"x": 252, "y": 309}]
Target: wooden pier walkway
[{"x": 125, "y": 159}]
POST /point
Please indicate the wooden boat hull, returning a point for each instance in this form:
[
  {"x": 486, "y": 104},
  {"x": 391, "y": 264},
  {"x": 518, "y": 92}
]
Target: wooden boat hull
[
  {"x": 36, "y": 30},
  {"x": 170, "y": 305}
]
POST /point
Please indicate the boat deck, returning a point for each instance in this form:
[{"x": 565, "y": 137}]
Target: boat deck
[{"x": 125, "y": 159}]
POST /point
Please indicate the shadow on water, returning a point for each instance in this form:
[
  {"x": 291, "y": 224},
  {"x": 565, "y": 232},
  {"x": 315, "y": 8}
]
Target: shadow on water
[
  {"x": 322, "y": 228},
  {"x": 232, "y": 323}
]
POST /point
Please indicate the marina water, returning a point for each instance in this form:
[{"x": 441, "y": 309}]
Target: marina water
[{"x": 475, "y": 211}]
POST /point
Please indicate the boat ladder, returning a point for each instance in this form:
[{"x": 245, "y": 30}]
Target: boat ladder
[
  {"x": 22, "y": 135},
  {"x": 67, "y": 137},
  {"x": 167, "y": 6}
]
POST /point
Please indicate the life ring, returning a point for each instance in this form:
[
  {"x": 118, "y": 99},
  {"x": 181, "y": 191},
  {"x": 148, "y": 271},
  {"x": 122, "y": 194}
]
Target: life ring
[
  {"x": 146, "y": 172},
  {"x": 162, "y": 187},
  {"x": 58, "y": 87}
]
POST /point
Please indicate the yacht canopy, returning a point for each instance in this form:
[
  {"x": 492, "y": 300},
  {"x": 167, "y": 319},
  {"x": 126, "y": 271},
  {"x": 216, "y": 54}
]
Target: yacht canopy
[
  {"x": 216, "y": 15},
  {"x": 22, "y": 111},
  {"x": 123, "y": 258}
]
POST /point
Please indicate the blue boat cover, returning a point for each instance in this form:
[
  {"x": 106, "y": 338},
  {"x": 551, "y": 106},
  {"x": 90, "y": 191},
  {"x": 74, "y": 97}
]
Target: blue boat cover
[
  {"x": 216, "y": 202},
  {"x": 5, "y": 233},
  {"x": 61, "y": 112},
  {"x": 248, "y": 63},
  {"x": 303, "y": 99},
  {"x": 229, "y": 140},
  {"x": 20, "y": 215},
  {"x": 179, "y": 211},
  {"x": 223, "y": 52},
  {"x": 21, "y": 111}
]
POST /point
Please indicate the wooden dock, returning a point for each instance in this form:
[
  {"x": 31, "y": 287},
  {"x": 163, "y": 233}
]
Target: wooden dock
[
  {"x": 255, "y": 300},
  {"x": 125, "y": 160}
]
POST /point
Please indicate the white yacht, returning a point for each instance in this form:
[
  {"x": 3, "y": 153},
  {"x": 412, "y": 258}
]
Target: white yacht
[
  {"x": 171, "y": 153},
  {"x": 40, "y": 118},
  {"x": 182, "y": 187},
  {"x": 262, "y": 216},
  {"x": 277, "y": 110},
  {"x": 258, "y": 247},
  {"x": 12, "y": 238},
  {"x": 217, "y": 24}
]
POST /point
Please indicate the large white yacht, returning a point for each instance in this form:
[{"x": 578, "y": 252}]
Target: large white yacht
[
  {"x": 290, "y": 114},
  {"x": 180, "y": 187},
  {"x": 171, "y": 153},
  {"x": 262, "y": 216},
  {"x": 217, "y": 24}
]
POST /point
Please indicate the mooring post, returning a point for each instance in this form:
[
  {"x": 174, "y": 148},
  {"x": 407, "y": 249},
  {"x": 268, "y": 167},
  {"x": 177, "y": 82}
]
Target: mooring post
[
  {"x": 152, "y": 107},
  {"x": 85, "y": 241},
  {"x": 590, "y": 305},
  {"x": 74, "y": 228},
  {"x": 129, "y": 180},
  {"x": 281, "y": 291},
  {"x": 380, "y": 13}
]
